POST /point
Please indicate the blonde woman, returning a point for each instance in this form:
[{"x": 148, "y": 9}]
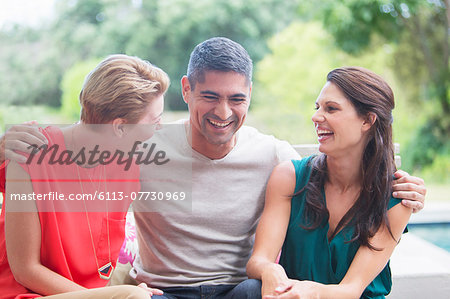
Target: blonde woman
[{"x": 68, "y": 247}]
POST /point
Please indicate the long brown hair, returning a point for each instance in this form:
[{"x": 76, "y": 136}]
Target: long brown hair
[{"x": 368, "y": 93}]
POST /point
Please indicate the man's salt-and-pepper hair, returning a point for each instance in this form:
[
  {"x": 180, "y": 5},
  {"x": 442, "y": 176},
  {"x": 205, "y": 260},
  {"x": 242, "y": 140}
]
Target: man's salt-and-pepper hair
[{"x": 218, "y": 54}]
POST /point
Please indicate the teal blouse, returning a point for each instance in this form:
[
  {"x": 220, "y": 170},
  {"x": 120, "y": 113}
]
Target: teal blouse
[{"x": 308, "y": 255}]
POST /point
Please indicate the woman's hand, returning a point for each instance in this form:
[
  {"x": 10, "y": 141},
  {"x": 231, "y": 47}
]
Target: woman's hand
[
  {"x": 151, "y": 291},
  {"x": 297, "y": 289},
  {"x": 273, "y": 277}
]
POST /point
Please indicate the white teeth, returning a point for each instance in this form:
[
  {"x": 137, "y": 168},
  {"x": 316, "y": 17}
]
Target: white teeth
[
  {"x": 324, "y": 132},
  {"x": 219, "y": 124}
]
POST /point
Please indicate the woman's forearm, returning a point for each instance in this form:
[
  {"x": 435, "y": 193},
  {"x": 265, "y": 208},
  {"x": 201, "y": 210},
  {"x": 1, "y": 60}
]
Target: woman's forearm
[
  {"x": 256, "y": 267},
  {"x": 23, "y": 243},
  {"x": 340, "y": 291},
  {"x": 272, "y": 275},
  {"x": 44, "y": 281}
]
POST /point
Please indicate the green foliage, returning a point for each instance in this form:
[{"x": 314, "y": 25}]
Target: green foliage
[
  {"x": 19, "y": 114},
  {"x": 289, "y": 79},
  {"x": 29, "y": 71},
  {"x": 351, "y": 23},
  {"x": 429, "y": 150},
  {"x": 429, "y": 142},
  {"x": 71, "y": 85},
  {"x": 82, "y": 11},
  {"x": 163, "y": 32},
  {"x": 438, "y": 171}
]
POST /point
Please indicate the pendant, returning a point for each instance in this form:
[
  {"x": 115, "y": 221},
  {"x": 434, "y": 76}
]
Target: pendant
[{"x": 106, "y": 271}]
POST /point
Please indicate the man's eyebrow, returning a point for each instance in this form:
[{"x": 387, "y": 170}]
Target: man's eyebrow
[
  {"x": 209, "y": 92},
  {"x": 238, "y": 95}
]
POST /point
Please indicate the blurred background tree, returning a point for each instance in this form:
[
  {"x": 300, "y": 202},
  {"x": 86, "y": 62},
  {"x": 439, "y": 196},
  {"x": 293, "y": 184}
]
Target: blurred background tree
[
  {"x": 71, "y": 85},
  {"x": 293, "y": 45},
  {"x": 163, "y": 32}
]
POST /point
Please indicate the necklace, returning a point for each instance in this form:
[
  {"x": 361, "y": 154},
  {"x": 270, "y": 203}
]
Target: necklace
[{"x": 105, "y": 271}]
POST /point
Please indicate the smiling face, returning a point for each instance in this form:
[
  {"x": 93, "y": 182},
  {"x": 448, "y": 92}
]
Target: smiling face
[
  {"x": 217, "y": 107},
  {"x": 339, "y": 128}
]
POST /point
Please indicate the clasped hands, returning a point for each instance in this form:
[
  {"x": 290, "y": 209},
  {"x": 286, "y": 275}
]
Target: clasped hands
[{"x": 292, "y": 288}]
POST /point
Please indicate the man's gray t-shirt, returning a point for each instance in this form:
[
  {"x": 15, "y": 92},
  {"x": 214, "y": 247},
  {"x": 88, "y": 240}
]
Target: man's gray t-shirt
[{"x": 211, "y": 243}]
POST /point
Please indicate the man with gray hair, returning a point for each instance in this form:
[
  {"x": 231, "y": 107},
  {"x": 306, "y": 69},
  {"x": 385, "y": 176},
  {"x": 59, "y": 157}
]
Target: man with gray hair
[{"x": 206, "y": 251}]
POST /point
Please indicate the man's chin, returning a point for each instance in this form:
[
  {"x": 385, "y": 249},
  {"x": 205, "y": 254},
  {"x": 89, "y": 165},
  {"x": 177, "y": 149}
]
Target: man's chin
[{"x": 219, "y": 140}]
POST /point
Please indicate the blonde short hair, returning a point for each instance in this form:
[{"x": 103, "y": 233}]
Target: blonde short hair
[{"x": 121, "y": 86}]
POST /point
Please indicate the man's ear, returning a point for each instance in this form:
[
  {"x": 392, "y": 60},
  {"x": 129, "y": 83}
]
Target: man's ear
[
  {"x": 185, "y": 88},
  {"x": 118, "y": 127}
]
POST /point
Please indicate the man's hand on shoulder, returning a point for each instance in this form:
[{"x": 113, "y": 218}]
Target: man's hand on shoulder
[
  {"x": 19, "y": 138},
  {"x": 411, "y": 189}
]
